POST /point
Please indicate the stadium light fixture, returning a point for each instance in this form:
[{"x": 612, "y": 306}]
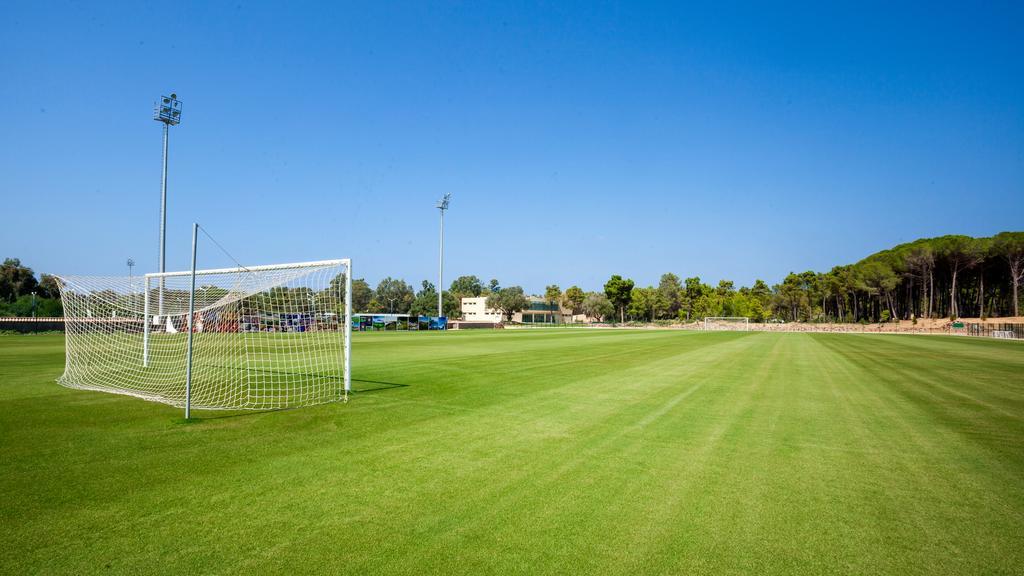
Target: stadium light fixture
[
  {"x": 442, "y": 205},
  {"x": 168, "y": 112}
]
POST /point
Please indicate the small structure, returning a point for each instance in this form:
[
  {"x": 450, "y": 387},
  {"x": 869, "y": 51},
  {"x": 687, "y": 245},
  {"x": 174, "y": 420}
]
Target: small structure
[{"x": 540, "y": 311}]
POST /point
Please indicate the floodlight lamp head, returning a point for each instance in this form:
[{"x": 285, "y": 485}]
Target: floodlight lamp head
[
  {"x": 168, "y": 110},
  {"x": 442, "y": 204}
]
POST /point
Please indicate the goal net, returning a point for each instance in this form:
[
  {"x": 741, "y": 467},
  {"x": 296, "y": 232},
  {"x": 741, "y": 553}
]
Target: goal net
[
  {"x": 726, "y": 323},
  {"x": 263, "y": 337}
]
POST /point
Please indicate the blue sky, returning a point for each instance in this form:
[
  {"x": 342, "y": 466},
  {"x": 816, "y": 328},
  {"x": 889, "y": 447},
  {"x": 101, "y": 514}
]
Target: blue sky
[{"x": 578, "y": 140}]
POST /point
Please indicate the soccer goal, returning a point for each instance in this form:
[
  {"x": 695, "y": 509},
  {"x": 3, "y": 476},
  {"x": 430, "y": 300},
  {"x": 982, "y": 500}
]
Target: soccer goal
[
  {"x": 726, "y": 323},
  {"x": 258, "y": 337}
]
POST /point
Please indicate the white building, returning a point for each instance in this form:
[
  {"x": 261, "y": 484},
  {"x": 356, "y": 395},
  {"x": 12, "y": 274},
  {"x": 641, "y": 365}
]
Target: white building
[{"x": 475, "y": 309}]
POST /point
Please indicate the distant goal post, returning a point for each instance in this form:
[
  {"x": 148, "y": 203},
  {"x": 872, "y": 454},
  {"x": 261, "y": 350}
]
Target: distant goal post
[{"x": 726, "y": 323}]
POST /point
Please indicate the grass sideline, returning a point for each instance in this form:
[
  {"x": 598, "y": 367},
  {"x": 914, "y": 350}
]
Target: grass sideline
[{"x": 585, "y": 452}]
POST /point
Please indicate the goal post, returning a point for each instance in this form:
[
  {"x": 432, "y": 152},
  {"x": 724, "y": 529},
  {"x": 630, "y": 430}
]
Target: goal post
[
  {"x": 726, "y": 323},
  {"x": 262, "y": 337}
]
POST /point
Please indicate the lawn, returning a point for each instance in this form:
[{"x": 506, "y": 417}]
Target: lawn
[{"x": 546, "y": 451}]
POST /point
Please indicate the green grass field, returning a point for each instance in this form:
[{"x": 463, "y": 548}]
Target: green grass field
[{"x": 539, "y": 452}]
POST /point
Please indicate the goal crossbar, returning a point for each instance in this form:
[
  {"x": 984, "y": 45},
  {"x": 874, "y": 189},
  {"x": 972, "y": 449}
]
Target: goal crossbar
[{"x": 262, "y": 268}]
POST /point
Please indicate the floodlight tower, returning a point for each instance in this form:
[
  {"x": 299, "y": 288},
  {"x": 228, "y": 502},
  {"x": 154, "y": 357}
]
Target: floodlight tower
[
  {"x": 442, "y": 205},
  {"x": 167, "y": 111},
  {"x": 131, "y": 281}
]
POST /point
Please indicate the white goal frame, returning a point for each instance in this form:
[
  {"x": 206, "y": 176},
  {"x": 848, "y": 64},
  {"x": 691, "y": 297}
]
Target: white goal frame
[
  {"x": 738, "y": 319},
  {"x": 148, "y": 317},
  {"x": 118, "y": 335}
]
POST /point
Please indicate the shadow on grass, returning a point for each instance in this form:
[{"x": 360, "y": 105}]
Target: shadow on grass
[{"x": 373, "y": 386}]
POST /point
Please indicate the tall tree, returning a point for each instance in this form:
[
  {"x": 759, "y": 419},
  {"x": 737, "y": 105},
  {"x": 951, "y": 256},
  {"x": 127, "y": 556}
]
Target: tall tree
[
  {"x": 467, "y": 287},
  {"x": 553, "y": 294},
  {"x": 982, "y": 248},
  {"x": 761, "y": 298},
  {"x": 596, "y": 305},
  {"x": 921, "y": 264},
  {"x": 425, "y": 302},
  {"x": 670, "y": 290},
  {"x": 645, "y": 303},
  {"x": 619, "y": 292},
  {"x": 394, "y": 295},
  {"x": 881, "y": 281},
  {"x": 574, "y": 296},
  {"x": 508, "y": 301},
  {"x": 451, "y": 306},
  {"x": 793, "y": 297},
  {"x": 961, "y": 253},
  {"x": 834, "y": 288},
  {"x": 15, "y": 279},
  {"x": 694, "y": 291},
  {"x": 1010, "y": 247},
  {"x": 48, "y": 286},
  {"x": 362, "y": 295}
]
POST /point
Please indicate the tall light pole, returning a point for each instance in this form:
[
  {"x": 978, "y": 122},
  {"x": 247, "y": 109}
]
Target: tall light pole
[
  {"x": 131, "y": 287},
  {"x": 442, "y": 205},
  {"x": 167, "y": 111}
]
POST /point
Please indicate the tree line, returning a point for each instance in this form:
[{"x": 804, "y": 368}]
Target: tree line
[
  {"x": 21, "y": 294},
  {"x": 945, "y": 277},
  {"x": 393, "y": 295}
]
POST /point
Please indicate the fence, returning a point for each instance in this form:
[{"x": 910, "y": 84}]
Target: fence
[
  {"x": 996, "y": 330},
  {"x": 1012, "y": 331},
  {"x": 26, "y": 325}
]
